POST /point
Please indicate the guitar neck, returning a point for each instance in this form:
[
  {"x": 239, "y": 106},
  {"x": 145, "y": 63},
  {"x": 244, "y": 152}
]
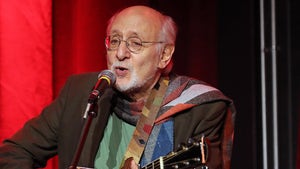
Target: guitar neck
[{"x": 157, "y": 164}]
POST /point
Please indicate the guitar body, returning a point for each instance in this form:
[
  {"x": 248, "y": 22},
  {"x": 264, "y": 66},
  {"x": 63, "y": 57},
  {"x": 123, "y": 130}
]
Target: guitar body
[{"x": 186, "y": 157}]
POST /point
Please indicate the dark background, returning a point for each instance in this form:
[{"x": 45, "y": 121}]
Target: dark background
[{"x": 222, "y": 40}]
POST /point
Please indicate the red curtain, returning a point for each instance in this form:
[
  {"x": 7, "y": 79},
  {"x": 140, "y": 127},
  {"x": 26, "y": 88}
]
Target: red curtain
[{"x": 25, "y": 61}]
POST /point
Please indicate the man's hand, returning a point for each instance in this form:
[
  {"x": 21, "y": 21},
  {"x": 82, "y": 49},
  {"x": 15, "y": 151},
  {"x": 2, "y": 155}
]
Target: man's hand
[{"x": 130, "y": 164}]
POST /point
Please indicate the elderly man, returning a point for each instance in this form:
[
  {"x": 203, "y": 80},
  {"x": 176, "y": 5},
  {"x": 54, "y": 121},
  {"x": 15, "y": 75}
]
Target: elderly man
[{"x": 146, "y": 114}]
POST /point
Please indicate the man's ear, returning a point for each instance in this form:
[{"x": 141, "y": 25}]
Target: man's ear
[{"x": 166, "y": 55}]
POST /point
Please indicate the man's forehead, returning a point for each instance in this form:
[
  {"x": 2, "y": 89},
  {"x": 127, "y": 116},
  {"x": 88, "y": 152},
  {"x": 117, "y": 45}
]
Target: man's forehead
[{"x": 136, "y": 23}]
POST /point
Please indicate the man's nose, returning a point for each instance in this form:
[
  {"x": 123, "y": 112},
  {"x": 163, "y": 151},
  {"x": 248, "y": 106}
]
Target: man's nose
[{"x": 123, "y": 51}]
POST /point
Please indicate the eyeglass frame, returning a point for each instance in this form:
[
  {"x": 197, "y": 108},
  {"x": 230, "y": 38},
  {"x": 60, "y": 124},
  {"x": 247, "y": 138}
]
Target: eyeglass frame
[{"x": 127, "y": 43}]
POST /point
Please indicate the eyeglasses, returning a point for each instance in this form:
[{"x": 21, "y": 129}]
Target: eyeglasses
[{"x": 134, "y": 44}]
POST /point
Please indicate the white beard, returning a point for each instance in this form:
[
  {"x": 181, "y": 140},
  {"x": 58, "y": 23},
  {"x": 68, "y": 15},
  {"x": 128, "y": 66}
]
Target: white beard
[{"x": 131, "y": 85}]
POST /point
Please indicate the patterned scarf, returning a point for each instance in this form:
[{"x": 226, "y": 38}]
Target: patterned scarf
[{"x": 182, "y": 93}]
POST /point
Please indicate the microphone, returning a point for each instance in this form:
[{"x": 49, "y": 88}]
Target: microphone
[{"x": 106, "y": 79}]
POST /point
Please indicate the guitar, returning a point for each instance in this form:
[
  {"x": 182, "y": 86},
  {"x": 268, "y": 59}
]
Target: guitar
[{"x": 194, "y": 154}]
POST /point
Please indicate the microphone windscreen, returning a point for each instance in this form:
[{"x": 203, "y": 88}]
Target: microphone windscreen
[{"x": 108, "y": 75}]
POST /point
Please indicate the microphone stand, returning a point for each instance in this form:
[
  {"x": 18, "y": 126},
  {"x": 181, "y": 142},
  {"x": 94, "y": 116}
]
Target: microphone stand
[
  {"x": 105, "y": 79},
  {"x": 92, "y": 113}
]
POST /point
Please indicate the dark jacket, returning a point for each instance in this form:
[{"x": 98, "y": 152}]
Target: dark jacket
[{"x": 56, "y": 131}]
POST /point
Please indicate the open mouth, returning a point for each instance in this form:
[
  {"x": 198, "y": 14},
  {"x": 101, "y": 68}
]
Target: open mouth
[
  {"x": 121, "y": 68},
  {"x": 121, "y": 71}
]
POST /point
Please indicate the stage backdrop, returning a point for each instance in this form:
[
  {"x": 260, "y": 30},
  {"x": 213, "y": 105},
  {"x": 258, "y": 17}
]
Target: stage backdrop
[{"x": 26, "y": 61}]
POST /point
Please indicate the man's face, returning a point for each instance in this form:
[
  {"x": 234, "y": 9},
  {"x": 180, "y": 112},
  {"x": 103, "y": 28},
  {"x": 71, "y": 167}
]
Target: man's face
[{"x": 136, "y": 72}]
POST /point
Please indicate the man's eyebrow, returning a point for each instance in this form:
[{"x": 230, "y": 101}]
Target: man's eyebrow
[{"x": 118, "y": 33}]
